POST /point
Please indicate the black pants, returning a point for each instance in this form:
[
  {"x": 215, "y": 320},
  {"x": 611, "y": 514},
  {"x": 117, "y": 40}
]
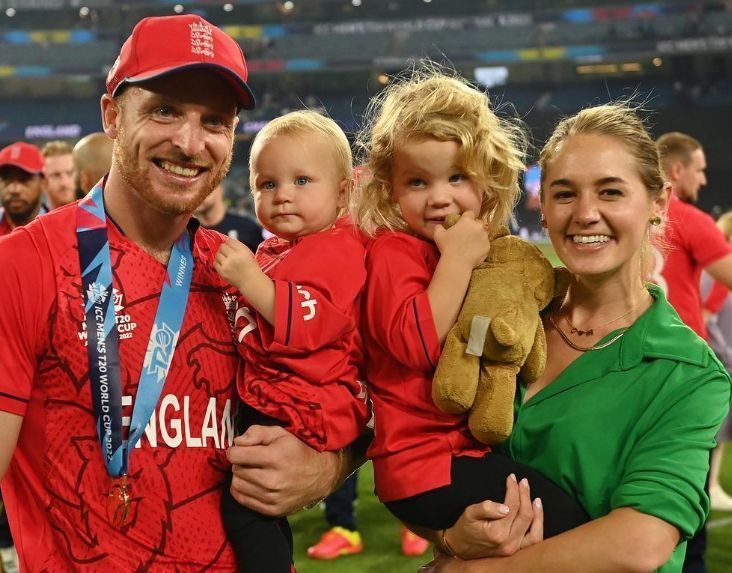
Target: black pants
[
  {"x": 6, "y": 540},
  {"x": 696, "y": 547},
  {"x": 340, "y": 505},
  {"x": 476, "y": 479},
  {"x": 262, "y": 544}
]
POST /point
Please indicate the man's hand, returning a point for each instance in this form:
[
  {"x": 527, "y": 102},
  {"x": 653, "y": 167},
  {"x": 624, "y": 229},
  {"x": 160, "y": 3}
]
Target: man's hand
[{"x": 274, "y": 473}]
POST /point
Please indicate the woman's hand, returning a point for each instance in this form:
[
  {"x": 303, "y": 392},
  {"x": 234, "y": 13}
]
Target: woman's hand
[{"x": 491, "y": 529}]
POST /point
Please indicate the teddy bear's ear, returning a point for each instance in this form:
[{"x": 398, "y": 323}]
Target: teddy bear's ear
[{"x": 562, "y": 278}]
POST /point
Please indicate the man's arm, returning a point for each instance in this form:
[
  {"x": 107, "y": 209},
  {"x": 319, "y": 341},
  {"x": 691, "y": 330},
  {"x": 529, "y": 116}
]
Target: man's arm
[
  {"x": 721, "y": 270},
  {"x": 274, "y": 473},
  {"x": 9, "y": 430}
]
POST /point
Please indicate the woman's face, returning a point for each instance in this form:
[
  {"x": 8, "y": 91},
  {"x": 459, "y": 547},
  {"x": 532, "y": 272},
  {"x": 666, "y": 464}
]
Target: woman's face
[{"x": 597, "y": 209}]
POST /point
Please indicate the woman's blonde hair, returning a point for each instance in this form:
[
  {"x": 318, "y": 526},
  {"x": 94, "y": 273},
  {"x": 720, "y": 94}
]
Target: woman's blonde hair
[
  {"x": 621, "y": 121},
  {"x": 303, "y": 122},
  {"x": 429, "y": 103}
]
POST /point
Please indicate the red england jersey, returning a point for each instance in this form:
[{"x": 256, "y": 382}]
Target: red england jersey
[
  {"x": 414, "y": 442},
  {"x": 306, "y": 370},
  {"x": 5, "y": 227},
  {"x": 694, "y": 242},
  {"x": 56, "y": 487}
]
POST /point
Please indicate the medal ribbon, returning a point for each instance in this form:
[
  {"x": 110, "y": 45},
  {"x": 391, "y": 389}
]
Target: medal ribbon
[{"x": 103, "y": 338}]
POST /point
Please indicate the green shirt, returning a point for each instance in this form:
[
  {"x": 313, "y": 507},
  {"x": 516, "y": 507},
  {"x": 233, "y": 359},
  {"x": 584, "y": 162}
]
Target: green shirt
[{"x": 631, "y": 425}]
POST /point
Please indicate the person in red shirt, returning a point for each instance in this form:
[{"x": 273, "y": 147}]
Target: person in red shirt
[
  {"x": 117, "y": 364},
  {"x": 434, "y": 148},
  {"x": 717, "y": 307},
  {"x": 297, "y": 322},
  {"x": 59, "y": 168},
  {"x": 21, "y": 184},
  {"x": 694, "y": 241}
]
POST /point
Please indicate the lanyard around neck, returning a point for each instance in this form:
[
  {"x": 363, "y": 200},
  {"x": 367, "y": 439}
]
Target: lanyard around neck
[{"x": 103, "y": 339}]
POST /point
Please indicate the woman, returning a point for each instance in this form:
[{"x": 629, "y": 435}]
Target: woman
[{"x": 625, "y": 414}]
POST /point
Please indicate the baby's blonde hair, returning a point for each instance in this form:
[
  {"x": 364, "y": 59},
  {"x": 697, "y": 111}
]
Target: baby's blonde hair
[
  {"x": 429, "y": 103},
  {"x": 302, "y": 122}
]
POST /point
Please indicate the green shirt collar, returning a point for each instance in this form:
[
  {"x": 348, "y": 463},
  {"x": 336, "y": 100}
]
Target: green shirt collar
[
  {"x": 657, "y": 333},
  {"x": 660, "y": 333}
]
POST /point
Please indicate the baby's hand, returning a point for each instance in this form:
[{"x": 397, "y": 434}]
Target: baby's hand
[
  {"x": 466, "y": 240},
  {"x": 233, "y": 262}
]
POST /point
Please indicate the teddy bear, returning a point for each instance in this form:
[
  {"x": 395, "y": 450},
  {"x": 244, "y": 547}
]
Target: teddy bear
[{"x": 497, "y": 336}]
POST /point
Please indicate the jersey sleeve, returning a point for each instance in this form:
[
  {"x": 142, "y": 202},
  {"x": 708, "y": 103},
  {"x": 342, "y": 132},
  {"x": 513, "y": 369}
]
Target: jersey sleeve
[
  {"x": 397, "y": 310},
  {"x": 315, "y": 306},
  {"x": 705, "y": 241},
  {"x": 716, "y": 298},
  {"x": 665, "y": 474},
  {"x": 24, "y": 314}
]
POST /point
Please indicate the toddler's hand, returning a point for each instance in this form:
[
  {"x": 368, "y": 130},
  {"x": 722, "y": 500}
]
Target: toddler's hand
[
  {"x": 233, "y": 262},
  {"x": 467, "y": 240}
]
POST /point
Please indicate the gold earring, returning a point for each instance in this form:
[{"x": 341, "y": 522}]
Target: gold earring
[
  {"x": 543, "y": 220},
  {"x": 656, "y": 221}
]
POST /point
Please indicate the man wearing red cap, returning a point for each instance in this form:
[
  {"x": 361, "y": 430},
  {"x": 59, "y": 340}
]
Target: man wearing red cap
[
  {"x": 117, "y": 366},
  {"x": 21, "y": 183}
]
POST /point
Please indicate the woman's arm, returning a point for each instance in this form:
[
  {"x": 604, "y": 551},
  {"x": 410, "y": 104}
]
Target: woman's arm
[
  {"x": 624, "y": 541},
  {"x": 490, "y": 529}
]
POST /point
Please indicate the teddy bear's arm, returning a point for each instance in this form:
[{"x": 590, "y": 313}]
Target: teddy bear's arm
[
  {"x": 456, "y": 377},
  {"x": 536, "y": 360}
]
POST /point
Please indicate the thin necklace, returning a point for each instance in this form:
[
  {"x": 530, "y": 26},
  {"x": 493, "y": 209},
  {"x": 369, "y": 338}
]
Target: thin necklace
[
  {"x": 585, "y": 348},
  {"x": 591, "y": 331}
]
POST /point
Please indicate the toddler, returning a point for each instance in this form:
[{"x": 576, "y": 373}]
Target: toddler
[
  {"x": 297, "y": 322},
  {"x": 434, "y": 147}
]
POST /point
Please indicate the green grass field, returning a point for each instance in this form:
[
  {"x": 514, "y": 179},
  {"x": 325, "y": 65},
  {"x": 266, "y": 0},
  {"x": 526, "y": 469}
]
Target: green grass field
[{"x": 380, "y": 533}]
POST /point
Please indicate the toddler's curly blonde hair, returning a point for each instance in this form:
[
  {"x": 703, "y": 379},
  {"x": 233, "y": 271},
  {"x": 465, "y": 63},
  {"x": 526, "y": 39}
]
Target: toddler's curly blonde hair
[{"x": 429, "y": 103}]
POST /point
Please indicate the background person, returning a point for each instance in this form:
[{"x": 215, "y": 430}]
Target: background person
[
  {"x": 717, "y": 306},
  {"x": 214, "y": 214},
  {"x": 92, "y": 160},
  {"x": 21, "y": 184},
  {"x": 59, "y": 169},
  {"x": 343, "y": 537}
]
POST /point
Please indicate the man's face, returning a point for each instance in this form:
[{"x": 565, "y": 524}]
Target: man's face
[
  {"x": 689, "y": 179},
  {"x": 60, "y": 186},
  {"x": 174, "y": 138},
  {"x": 21, "y": 194}
]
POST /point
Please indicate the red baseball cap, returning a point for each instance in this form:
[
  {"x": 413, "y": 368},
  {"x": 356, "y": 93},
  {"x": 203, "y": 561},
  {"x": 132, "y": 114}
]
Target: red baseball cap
[
  {"x": 166, "y": 44},
  {"x": 24, "y": 156}
]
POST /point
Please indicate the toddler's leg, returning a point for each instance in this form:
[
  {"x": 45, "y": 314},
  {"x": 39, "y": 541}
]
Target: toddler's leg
[
  {"x": 477, "y": 479},
  {"x": 262, "y": 544}
]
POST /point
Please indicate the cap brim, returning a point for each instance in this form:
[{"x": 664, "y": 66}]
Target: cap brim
[
  {"x": 244, "y": 96},
  {"x": 21, "y": 167}
]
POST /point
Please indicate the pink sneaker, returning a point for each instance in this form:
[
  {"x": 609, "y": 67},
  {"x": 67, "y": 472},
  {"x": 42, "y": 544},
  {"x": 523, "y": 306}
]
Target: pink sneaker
[
  {"x": 336, "y": 542},
  {"x": 413, "y": 545}
]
